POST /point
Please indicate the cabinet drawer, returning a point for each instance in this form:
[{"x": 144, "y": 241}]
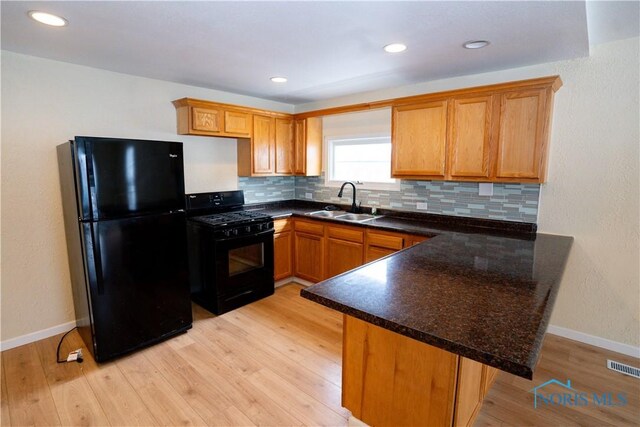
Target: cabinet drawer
[
  {"x": 414, "y": 240},
  {"x": 386, "y": 241},
  {"x": 309, "y": 227},
  {"x": 349, "y": 234},
  {"x": 281, "y": 225}
]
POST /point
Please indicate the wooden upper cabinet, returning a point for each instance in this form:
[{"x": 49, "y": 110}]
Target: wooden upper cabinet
[
  {"x": 263, "y": 146},
  {"x": 496, "y": 133},
  {"x": 419, "y": 135},
  {"x": 308, "y": 146},
  {"x": 206, "y": 120},
  {"x": 284, "y": 146},
  {"x": 522, "y": 138},
  {"x": 237, "y": 123},
  {"x": 300, "y": 150},
  {"x": 470, "y": 137}
]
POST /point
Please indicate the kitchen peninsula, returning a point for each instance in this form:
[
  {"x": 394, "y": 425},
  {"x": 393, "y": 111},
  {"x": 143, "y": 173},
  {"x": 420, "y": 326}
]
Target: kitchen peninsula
[{"x": 426, "y": 328}]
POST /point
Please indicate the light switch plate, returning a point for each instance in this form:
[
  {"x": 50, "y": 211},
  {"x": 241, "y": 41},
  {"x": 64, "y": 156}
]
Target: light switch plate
[
  {"x": 308, "y": 195},
  {"x": 421, "y": 206},
  {"x": 485, "y": 189}
]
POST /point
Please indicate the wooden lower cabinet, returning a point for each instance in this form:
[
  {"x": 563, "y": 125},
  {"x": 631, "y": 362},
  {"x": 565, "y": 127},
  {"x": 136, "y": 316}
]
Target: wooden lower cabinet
[
  {"x": 283, "y": 249},
  {"x": 390, "y": 380},
  {"x": 309, "y": 250},
  {"x": 312, "y": 251},
  {"x": 345, "y": 249}
]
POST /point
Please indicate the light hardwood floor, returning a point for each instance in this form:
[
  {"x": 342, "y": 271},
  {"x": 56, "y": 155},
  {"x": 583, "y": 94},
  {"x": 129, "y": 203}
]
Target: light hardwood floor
[{"x": 274, "y": 362}]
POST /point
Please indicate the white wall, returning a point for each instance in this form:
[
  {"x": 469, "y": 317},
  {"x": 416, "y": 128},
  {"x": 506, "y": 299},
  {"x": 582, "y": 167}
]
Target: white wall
[
  {"x": 45, "y": 103},
  {"x": 593, "y": 185}
]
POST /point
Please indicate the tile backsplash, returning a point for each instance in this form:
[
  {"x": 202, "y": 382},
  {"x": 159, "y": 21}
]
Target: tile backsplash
[
  {"x": 510, "y": 202},
  {"x": 267, "y": 189}
]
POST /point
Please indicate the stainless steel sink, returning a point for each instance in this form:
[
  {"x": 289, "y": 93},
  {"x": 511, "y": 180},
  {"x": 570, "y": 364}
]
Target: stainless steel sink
[
  {"x": 356, "y": 217},
  {"x": 343, "y": 216},
  {"x": 327, "y": 214}
]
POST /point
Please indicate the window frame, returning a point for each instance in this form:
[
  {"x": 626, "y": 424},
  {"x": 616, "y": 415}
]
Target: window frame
[{"x": 328, "y": 161}]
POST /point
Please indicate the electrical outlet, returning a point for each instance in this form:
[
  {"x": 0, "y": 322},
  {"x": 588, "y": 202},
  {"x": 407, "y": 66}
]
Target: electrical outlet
[
  {"x": 485, "y": 189},
  {"x": 308, "y": 195},
  {"x": 422, "y": 206}
]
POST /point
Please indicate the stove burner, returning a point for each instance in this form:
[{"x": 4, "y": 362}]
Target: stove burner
[{"x": 231, "y": 218}]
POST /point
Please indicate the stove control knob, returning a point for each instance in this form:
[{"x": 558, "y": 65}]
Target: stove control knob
[
  {"x": 259, "y": 227},
  {"x": 234, "y": 231},
  {"x": 247, "y": 229},
  {"x": 226, "y": 233}
]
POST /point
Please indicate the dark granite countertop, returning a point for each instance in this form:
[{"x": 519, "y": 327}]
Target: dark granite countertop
[
  {"x": 487, "y": 298},
  {"x": 428, "y": 225},
  {"x": 481, "y": 289}
]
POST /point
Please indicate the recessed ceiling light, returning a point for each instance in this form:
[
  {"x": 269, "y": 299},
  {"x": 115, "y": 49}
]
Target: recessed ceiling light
[
  {"x": 47, "y": 18},
  {"x": 476, "y": 44},
  {"x": 279, "y": 79},
  {"x": 395, "y": 48}
]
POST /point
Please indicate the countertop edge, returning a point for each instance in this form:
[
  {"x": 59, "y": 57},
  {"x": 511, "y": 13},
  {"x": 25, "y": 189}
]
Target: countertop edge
[{"x": 521, "y": 370}]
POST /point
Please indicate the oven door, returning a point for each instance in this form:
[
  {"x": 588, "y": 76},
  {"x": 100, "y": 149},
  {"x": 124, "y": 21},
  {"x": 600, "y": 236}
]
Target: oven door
[{"x": 244, "y": 265}]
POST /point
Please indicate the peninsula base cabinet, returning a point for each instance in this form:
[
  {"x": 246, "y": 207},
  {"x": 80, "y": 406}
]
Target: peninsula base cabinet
[{"x": 390, "y": 380}]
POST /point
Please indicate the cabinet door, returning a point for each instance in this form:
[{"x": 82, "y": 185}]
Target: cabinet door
[
  {"x": 342, "y": 256},
  {"x": 300, "y": 147},
  {"x": 207, "y": 120},
  {"x": 283, "y": 259},
  {"x": 419, "y": 139},
  {"x": 470, "y": 137},
  {"x": 309, "y": 256},
  {"x": 522, "y": 136},
  {"x": 308, "y": 146},
  {"x": 262, "y": 144},
  {"x": 284, "y": 146},
  {"x": 238, "y": 123}
]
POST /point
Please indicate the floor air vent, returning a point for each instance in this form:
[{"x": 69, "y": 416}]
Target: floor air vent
[{"x": 623, "y": 369}]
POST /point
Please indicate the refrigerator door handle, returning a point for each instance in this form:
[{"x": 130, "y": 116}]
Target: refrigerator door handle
[{"x": 95, "y": 235}]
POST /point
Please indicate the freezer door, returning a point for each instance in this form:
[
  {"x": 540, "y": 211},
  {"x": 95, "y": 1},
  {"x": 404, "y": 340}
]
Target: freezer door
[
  {"x": 126, "y": 177},
  {"x": 138, "y": 281}
]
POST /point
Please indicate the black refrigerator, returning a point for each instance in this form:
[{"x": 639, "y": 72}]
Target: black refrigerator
[{"x": 123, "y": 203}]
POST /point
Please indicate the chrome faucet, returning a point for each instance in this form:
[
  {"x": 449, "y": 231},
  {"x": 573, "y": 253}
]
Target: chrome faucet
[{"x": 354, "y": 206}]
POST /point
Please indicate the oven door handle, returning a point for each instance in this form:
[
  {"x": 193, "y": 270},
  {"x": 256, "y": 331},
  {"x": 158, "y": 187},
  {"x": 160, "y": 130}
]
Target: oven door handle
[{"x": 262, "y": 233}]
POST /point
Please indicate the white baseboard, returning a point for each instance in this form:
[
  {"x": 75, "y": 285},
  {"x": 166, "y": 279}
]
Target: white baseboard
[
  {"x": 36, "y": 336},
  {"x": 618, "y": 347}
]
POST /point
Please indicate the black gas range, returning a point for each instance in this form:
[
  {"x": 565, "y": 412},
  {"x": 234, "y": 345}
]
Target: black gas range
[{"x": 230, "y": 251}]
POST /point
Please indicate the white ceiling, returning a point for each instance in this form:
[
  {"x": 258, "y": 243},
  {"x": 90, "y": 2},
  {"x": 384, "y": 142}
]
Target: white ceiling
[{"x": 326, "y": 49}]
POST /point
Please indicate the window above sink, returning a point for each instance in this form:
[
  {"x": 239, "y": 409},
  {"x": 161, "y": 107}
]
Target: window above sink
[{"x": 358, "y": 149}]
